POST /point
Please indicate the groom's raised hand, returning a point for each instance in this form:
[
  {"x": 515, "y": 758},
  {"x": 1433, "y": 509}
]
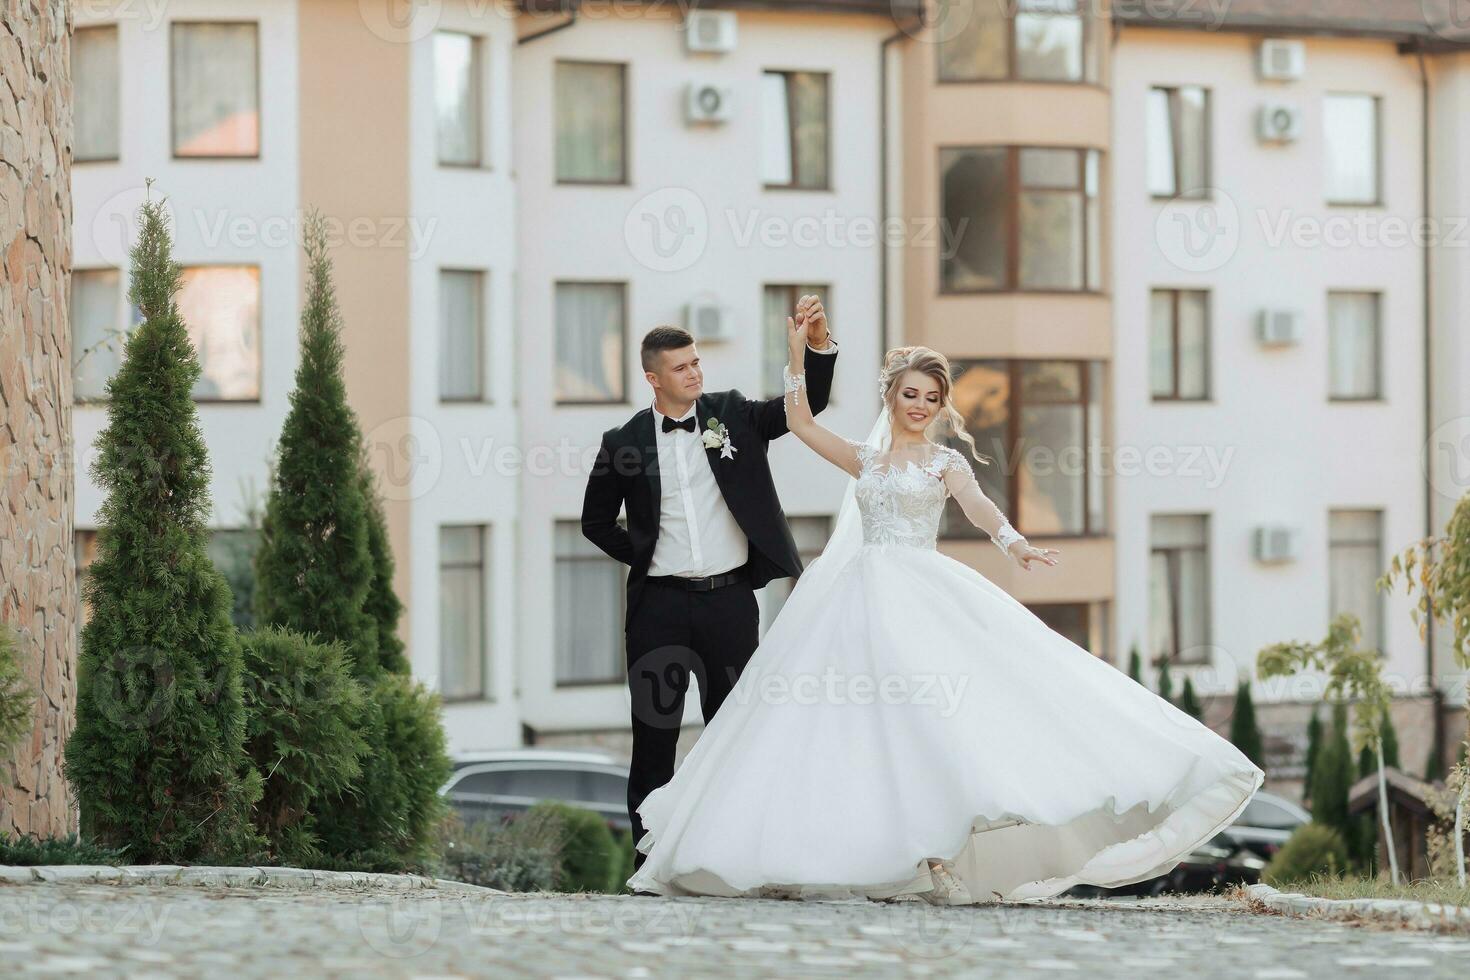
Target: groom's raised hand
[{"x": 809, "y": 313}]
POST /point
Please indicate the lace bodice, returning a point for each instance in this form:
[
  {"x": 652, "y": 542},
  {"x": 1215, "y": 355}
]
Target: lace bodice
[{"x": 901, "y": 502}]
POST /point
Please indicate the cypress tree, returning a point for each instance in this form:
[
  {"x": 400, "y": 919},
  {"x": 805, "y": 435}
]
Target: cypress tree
[
  {"x": 1314, "y": 746},
  {"x": 1135, "y": 665},
  {"x": 1332, "y": 777},
  {"x": 383, "y": 603},
  {"x": 157, "y": 758},
  {"x": 1244, "y": 732},
  {"x": 1189, "y": 702},
  {"x": 314, "y": 566},
  {"x": 1166, "y": 683}
]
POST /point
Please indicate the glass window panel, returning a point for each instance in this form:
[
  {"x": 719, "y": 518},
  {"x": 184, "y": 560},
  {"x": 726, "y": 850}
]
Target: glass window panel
[
  {"x": 589, "y": 610},
  {"x": 94, "y": 93},
  {"x": 809, "y": 104},
  {"x": 97, "y": 334},
  {"x": 1049, "y": 47},
  {"x": 462, "y": 596},
  {"x": 972, "y": 40},
  {"x": 216, "y": 112},
  {"x": 1162, "y": 181},
  {"x": 232, "y": 550},
  {"x": 976, "y": 199},
  {"x": 1178, "y": 586},
  {"x": 1051, "y": 381},
  {"x": 982, "y": 395},
  {"x": 1042, "y": 168},
  {"x": 461, "y": 335},
  {"x": 1353, "y": 345},
  {"x": 457, "y": 98},
  {"x": 776, "y": 154},
  {"x": 1161, "y": 343},
  {"x": 1351, "y": 131},
  {"x": 1066, "y": 618},
  {"x": 1051, "y": 240},
  {"x": 1051, "y": 477},
  {"x": 590, "y": 127},
  {"x": 1193, "y": 344},
  {"x": 1160, "y": 607},
  {"x": 1355, "y": 562},
  {"x": 220, "y": 305},
  {"x": 1096, "y": 486},
  {"x": 590, "y": 337},
  {"x": 1193, "y": 109}
]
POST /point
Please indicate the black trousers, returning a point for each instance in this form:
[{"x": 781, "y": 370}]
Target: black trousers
[{"x": 672, "y": 634}]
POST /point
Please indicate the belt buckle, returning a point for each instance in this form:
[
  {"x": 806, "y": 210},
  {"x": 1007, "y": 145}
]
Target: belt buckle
[{"x": 705, "y": 584}]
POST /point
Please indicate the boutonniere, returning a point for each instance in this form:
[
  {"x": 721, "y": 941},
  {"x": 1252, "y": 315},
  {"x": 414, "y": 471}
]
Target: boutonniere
[{"x": 716, "y": 436}]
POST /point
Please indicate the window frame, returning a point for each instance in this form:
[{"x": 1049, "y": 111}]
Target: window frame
[
  {"x": 1092, "y": 61},
  {"x": 826, "y": 184},
  {"x": 477, "y": 86},
  {"x": 483, "y": 695},
  {"x": 624, "y": 162},
  {"x": 259, "y": 331},
  {"x": 1378, "y": 348},
  {"x": 1377, "y": 200},
  {"x": 1012, "y": 218},
  {"x": 624, "y": 375},
  {"x": 112, "y": 28},
  {"x": 556, "y": 559},
  {"x": 1176, "y": 293},
  {"x": 1206, "y": 191},
  {"x": 1380, "y": 641},
  {"x": 482, "y": 382},
  {"x": 1015, "y": 406},
  {"x": 173, "y": 91},
  {"x": 1173, "y": 567}
]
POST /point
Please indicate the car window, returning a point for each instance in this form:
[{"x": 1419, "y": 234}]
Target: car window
[
  {"x": 1264, "y": 813},
  {"x": 556, "y": 784},
  {"x": 604, "y": 787}
]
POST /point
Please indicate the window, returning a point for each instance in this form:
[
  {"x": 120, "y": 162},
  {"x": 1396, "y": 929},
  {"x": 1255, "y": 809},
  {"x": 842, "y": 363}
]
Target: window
[
  {"x": 216, "y": 92},
  {"x": 1179, "y": 344},
  {"x": 1355, "y": 560},
  {"x": 1179, "y": 141},
  {"x": 457, "y": 74},
  {"x": 94, "y": 83},
  {"x": 1023, "y": 218},
  {"x": 811, "y": 534},
  {"x": 1040, "y": 423},
  {"x": 590, "y": 600},
  {"x": 98, "y": 333},
  {"x": 1030, "y": 40},
  {"x": 797, "y": 135},
  {"x": 1353, "y": 346},
  {"x": 591, "y": 342},
  {"x": 233, "y": 552},
  {"x": 1351, "y": 129},
  {"x": 461, "y": 335},
  {"x": 779, "y": 303},
  {"x": 591, "y": 123},
  {"x": 220, "y": 305},
  {"x": 462, "y": 596},
  {"x": 1179, "y": 588},
  {"x": 1084, "y": 623}
]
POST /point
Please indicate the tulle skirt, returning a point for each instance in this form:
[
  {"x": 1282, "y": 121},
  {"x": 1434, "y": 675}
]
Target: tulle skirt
[{"x": 919, "y": 713}]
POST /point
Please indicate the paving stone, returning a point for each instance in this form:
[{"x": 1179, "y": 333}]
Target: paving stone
[{"x": 16, "y": 874}]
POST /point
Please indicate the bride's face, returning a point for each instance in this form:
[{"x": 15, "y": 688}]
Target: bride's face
[{"x": 916, "y": 401}]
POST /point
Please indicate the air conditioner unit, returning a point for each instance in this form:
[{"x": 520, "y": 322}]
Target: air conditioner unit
[
  {"x": 1278, "y": 328},
  {"x": 707, "y": 321},
  {"x": 1275, "y": 543},
  {"x": 1277, "y": 122},
  {"x": 709, "y": 31},
  {"x": 706, "y": 104},
  {"x": 1279, "y": 60}
]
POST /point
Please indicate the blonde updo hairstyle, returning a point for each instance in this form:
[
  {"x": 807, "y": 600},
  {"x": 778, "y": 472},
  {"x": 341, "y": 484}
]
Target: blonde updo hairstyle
[{"x": 901, "y": 360}]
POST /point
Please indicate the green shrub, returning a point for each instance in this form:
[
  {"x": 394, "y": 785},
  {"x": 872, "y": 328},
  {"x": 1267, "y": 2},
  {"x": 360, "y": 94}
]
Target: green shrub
[
  {"x": 1245, "y": 734},
  {"x": 590, "y": 857},
  {"x": 625, "y": 871},
  {"x": 519, "y": 854},
  {"x": 1311, "y": 851},
  {"x": 71, "y": 849},
  {"x": 302, "y": 709},
  {"x": 386, "y": 819},
  {"x": 17, "y": 701},
  {"x": 157, "y": 758}
]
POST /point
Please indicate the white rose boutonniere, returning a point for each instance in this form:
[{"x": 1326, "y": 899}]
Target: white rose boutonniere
[{"x": 716, "y": 436}]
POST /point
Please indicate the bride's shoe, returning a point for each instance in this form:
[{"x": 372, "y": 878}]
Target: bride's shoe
[{"x": 948, "y": 888}]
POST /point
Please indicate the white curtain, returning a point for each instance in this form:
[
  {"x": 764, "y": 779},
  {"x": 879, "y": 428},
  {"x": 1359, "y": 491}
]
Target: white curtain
[
  {"x": 94, "y": 87},
  {"x": 97, "y": 339},
  {"x": 457, "y": 75},
  {"x": 589, "y": 121},
  {"x": 462, "y": 611},
  {"x": 215, "y": 90},
  {"x": 589, "y": 342},
  {"x": 1352, "y": 345},
  {"x": 461, "y": 331},
  {"x": 1355, "y": 562},
  {"x": 1351, "y": 129},
  {"x": 589, "y": 595},
  {"x": 220, "y": 305}
]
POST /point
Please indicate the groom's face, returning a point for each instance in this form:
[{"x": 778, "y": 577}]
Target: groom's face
[{"x": 678, "y": 374}]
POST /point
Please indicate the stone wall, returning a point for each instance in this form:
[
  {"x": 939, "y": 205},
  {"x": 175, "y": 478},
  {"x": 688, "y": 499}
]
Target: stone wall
[{"x": 38, "y": 592}]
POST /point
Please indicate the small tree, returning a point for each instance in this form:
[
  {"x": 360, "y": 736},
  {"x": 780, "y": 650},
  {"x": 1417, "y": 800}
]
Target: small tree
[
  {"x": 157, "y": 758},
  {"x": 383, "y": 604},
  {"x": 1135, "y": 664},
  {"x": 1189, "y": 701},
  {"x": 1351, "y": 673},
  {"x": 1332, "y": 776},
  {"x": 1438, "y": 569},
  {"x": 314, "y": 566},
  {"x": 1244, "y": 732},
  {"x": 1166, "y": 683},
  {"x": 1314, "y": 746}
]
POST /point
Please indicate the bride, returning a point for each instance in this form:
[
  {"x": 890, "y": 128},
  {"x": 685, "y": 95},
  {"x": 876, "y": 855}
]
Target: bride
[{"x": 908, "y": 728}]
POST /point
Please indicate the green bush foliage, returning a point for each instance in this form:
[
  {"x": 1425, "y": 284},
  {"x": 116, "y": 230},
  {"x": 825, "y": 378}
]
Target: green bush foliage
[{"x": 1312, "y": 850}]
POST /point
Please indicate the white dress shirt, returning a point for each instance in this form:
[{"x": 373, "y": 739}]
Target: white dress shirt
[{"x": 697, "y": 534}]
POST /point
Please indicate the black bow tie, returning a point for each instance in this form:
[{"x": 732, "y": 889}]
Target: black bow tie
[{"x": 687, "y": 424}]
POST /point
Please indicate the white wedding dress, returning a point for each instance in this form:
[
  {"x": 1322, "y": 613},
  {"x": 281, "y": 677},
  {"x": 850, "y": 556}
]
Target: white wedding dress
[{"x": 904, "y": 708}]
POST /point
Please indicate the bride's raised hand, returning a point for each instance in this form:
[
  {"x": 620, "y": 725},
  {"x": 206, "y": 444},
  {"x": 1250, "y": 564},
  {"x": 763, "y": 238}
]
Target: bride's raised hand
[
  {"x": 1026, "y": 554},
  {"x": 796, "y": 331}
]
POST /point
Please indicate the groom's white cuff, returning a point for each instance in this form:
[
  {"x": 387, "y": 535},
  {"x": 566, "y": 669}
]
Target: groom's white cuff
[{"x": 831, "y": 347}]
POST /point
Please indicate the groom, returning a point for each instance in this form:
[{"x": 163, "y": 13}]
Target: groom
[{"x": 704, "y": 530}]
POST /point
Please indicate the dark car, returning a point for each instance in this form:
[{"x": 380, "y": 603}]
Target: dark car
[{"x": 496, "y": 784}]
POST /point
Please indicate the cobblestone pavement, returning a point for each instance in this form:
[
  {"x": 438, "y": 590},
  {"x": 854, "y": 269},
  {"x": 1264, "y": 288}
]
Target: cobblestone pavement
[{"x": 188, "y": 931}]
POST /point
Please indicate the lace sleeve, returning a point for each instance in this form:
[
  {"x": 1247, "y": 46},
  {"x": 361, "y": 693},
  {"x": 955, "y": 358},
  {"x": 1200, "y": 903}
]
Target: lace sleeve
[
  {"x": 865, "y": 452},
  {"x": 959, "y": 478}
]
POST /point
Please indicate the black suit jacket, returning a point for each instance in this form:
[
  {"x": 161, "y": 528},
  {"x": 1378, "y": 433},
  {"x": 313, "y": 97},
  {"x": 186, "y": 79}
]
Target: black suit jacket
[{"x": 626, "y": 472}]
